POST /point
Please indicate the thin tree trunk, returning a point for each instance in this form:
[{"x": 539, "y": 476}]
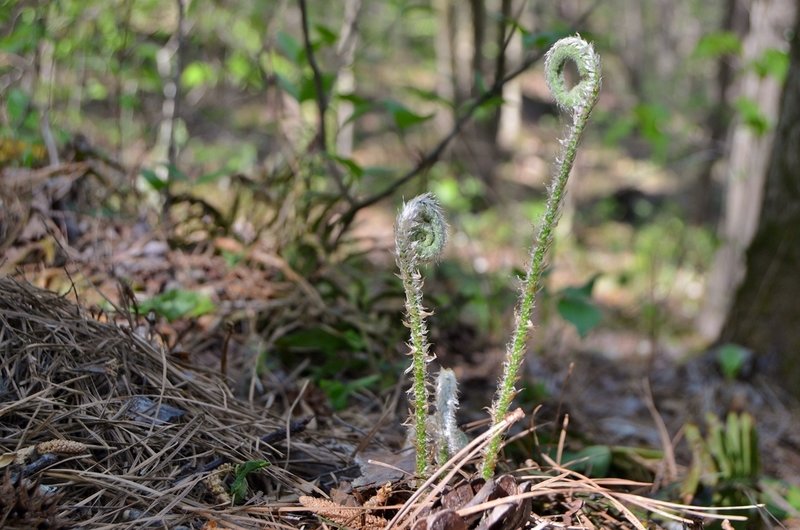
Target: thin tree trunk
[
  {"x": 734, "y": 18},
  {"x": 747, "y": 164},
  {"x": 346, "y": 80},
  {"x": 445, "y": 80}
]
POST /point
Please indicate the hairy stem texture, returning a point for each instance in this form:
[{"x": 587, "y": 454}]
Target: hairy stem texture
[
  {"x": 420, "y": 236},
  {"x": 578, "y": 101}
]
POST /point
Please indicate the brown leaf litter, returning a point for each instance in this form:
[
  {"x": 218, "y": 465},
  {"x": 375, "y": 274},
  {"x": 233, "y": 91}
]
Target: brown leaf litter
[
  {"x": 123, "y": 434},
  {"x": 100, "y": 428}
]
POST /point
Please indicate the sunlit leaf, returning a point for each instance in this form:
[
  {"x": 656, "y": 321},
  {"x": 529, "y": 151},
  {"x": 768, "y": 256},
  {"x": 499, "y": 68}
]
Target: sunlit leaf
[
  {"x": 772, "y": 63},
  {"x": 178, "y": 303},
  {"x": 752, "y": 116},
  {"x": 716, "y": 44}
]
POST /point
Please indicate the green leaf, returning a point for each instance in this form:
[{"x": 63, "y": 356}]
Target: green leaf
[
  {"x": 326, "y": 35},
  {"x": 773, "y": 63},
  {"x": 428, "y": 95},
  {"x": 178, "y": 303},
  {"x": 581, "y": 313},
  {"x": 575, "y": 305},
  {"x": 153, "y": 179},
  {"x": 731, "y": 358},
  {"x": 308, "y": 87},
  {"x": 717, "y": 44},
  {"x": 751, "y": 115},
  {"x": 17, "y": 106},
  {"x": 288, "y": 86},
  {"x": 175, "y": 174},
  {"x": 354, "y": 169},
  {"x": 197, "y": 73},
  {"x": 338, "y": 391},
  {"x": 403, "y": 117},
  {"x": 793, "y": 497},
  {"x": 290, "y": 46},
  {"x": 239, "y": 487},
  {"x": 318, "y": 339}
]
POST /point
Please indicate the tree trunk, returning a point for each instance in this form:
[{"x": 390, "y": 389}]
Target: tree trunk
[
  {"x": 747, "y": 163},
  {"x": 734, "y": 19},
  {"x": 766, "y": 314}
]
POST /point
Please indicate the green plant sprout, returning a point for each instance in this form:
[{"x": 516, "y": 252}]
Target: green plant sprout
[
  {"x": 578, "y": 101},
  {"x": 420, "y": 237}
]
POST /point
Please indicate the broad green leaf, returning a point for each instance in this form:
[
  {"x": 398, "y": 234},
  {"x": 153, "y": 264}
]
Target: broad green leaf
[
  {"x": 575, "y": 305},
  {"x": 580, "y": 312},
  {"x": 198, "y": 73},
  {"x": 178, "y": 303},
  {"x": 403, "y": 117},
  {"x": 326, "y": 35},
  {"x": 354, "y": 169},
  {"x": 428, "y": 95},
  {"x": 773, "y": 63},
  {"x": 153, "y": 179},
  {"x": 338, "y": 391},
  {"x": 752, "y": 116},
  {"x": 716, "y": 44},
  {"x": 320, "y": 339},
  {"x": 594, "y": 460},
  {"x": 308, "y": 87}
]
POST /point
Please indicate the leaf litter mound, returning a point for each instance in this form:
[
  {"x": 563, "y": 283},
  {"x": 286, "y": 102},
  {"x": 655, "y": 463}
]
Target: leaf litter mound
[{"x": 100, "y": 427}]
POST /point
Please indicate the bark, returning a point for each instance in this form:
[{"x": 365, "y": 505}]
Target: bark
[
  {"x": 346, "y": 79},
  {"x": 747, "y": 164},
  {"x": 766, "y": 314},
  {"x": 445, "y": 80},
  {"x": 718, "y": 122}
]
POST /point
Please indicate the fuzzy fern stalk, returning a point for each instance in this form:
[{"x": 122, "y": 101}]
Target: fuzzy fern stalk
[
  {"x": 579, "y": 102},
  {"x": 449, "y": 438},
  {"x": 420, "y": 236}
]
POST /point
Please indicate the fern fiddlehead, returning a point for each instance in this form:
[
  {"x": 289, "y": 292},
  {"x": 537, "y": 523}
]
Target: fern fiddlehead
[
  {"x": 578, "y": 101},
  {"x": 420, "y": 237}
]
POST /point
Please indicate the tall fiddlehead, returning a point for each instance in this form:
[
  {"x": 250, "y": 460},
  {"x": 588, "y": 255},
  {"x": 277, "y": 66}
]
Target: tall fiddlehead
[
  {"x": 578, "y": 101},
  {"x": 420, "y": 236}
]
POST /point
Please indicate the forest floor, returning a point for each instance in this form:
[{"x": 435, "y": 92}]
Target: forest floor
[{"x": 204, "y": 409}]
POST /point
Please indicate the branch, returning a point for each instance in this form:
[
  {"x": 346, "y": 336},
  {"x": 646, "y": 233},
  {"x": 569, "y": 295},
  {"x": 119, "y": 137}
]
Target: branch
[
  {"x": 322, "y": 100},
  {"x": 321, "y": 139},
  {"x": 433, "y": 156}
]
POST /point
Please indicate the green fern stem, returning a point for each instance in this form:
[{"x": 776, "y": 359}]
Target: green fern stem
[
  {"x": 420, "y": 237},
  {"x": 578, "y": 101}
]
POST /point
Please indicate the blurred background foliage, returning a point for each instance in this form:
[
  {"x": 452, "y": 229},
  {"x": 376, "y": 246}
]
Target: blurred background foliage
[{"x": 284, "y": 134}]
